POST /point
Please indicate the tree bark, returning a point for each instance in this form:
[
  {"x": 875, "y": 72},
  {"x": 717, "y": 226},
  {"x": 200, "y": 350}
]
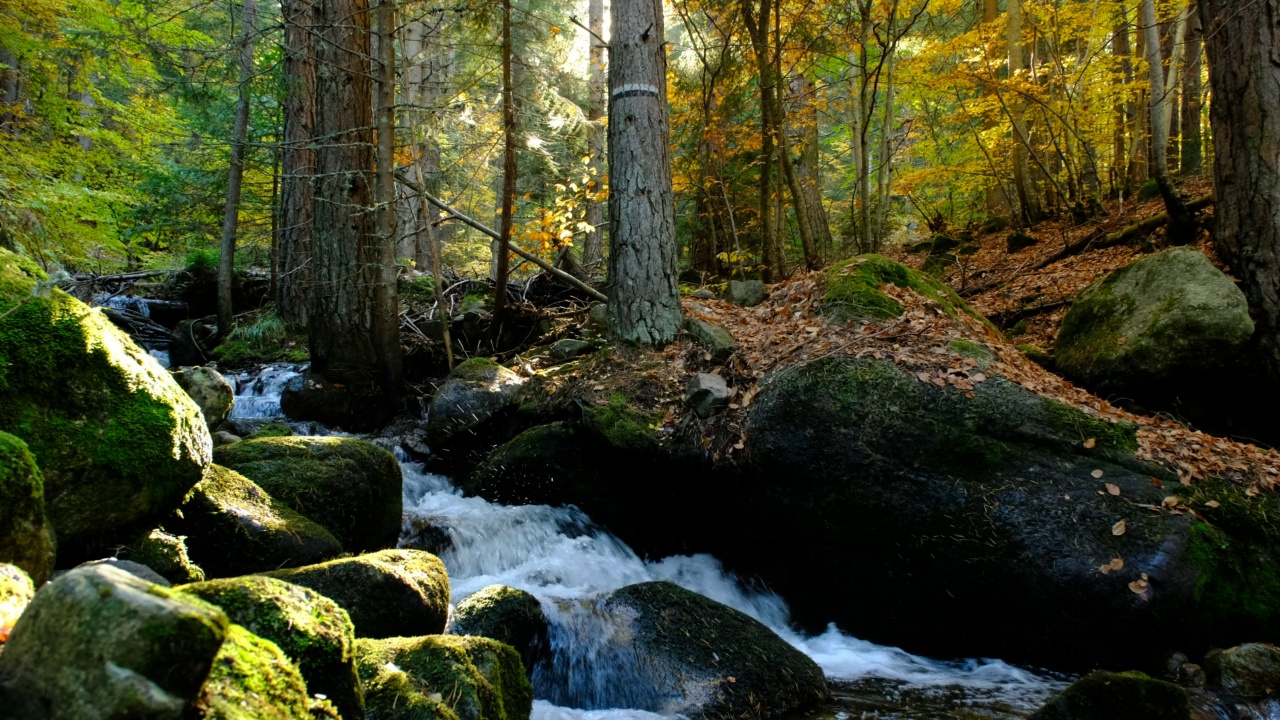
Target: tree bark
[
  {"x": 1192, "y": 103},
  {"x": 644, "y": 298},
  {"x": 757, "y": 18},
  {"x": 231, "y": 217},
  {"x": 383, "y": 272},
  {"x": 1241, "y": 43},
  {"x": 1181, "y": 223},
  {"x": 808, "y": 165},
  {"x": 502, "y": 261},
  {"x": 1028, "y": 200},
  {"x": 593, "y": 244},
  {"x": 298, "y": 164}
]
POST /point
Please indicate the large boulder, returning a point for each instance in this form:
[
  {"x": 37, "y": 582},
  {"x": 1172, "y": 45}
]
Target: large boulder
[
  {"x": 233, "y": 526},
  {"x": 26, "y": 536},
  {"x": 505, "y": 614},
  {"x": 117, "y": 439},
  {"x": 167, "y": 555},
  {"x": 731, "y": 667},
  {"x": 1003, "y": 506},
  {"x": 1252, "y": 669},
  {"x": 388, "y": 593},
  {"x": 309, "y": 628},
  {"x": 251, "y": 679},
  {"x": 16, "y": 592},
  {"x": 210, "y": 390},
  {"x": 1131, "y": 696},
  {"x": 443, "y": 677},
  {"x": 100, "y": 643},
  {"x": 1165, "y": 319},
  {"x": 350, "y": 486},
  {"x": 475, "y": 392},
  {"x": 855, "y": 290},
  {"x": 747, "y": 293}
]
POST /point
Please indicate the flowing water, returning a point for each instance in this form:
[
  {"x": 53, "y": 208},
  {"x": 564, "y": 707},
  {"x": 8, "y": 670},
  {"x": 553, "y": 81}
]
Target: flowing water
[{"x": 566, "y": 561}]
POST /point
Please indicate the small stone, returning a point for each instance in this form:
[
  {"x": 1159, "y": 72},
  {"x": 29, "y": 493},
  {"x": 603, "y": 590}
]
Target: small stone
[
  {"x": 598, "y": 318},
  {"x": 210, "y": 390},
  {"x": 570, "y": 348},
  {"x": 713, "y": 337},
  {"x": 747, "y": 293},
  {"x": 703, "y": 294},
  {"x": 222, "y": 437},
  {"x": 707, "y": 394}
]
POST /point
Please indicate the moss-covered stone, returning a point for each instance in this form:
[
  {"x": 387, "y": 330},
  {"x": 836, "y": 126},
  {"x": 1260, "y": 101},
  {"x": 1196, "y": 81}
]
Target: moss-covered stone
[
  {"x": 251, "y": 679},
  {"x": 979, "y": 353},
  {"x": 476, "y": 392},
  {"x": 1250, "y": 670},
  {"x": 26, "y": 536},
  {"x": 443, "y": 678},
  {"x": 717, "y": 340},
  {"x": 505, "y": 614},
  {"x": 854, "y": 294},
  {"x": 312, "y": 630},
  {"x": 98, "y": 642},
  {"x": 1037, "y": 356},
  {"x": 622, "y": 425},
  {"x": 167, "y": 555},
  {"x": 118, "y": 442},
  {"x": 16, "y": 591},
  {"x": 388, "y": 593},
  {"x": 350, "y": 486},
  {"x": 544, "y": 465},
  {"x": 1131, "y": 695},
  {"x": 731, "y": 666},
  {"x": 271, "y": 430},
  {"x": 233, "y": 526}
]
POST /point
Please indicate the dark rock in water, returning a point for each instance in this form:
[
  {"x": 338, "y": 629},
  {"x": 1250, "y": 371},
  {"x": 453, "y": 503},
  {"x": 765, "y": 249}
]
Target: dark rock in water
[
  {"x": 210, "y": 391},
  {"x": 117, "y": 440},
  {"x": 1250, "y": 670},
  {"x": 26, "y": 536},
  {"x": 718, "y": 341},
  {"x": 426, "y": 535},
  {"x": 388, "y": 593},
  {"x": 233, "y": 526},
  {"x": 192, "y": 343},
  {"x": 348, "y": 406},
  {"x": 352, "y": 487},
  {"x": 707, "y": 394},
  {"x": 167, "y": 555},
  {"x": 87, "y": 647},
  {"x": 507, "y": 615},
  {"x": 475, "y": 392},
  {"x": 443, "y": 676},
  {"x": 544, "y": 465},
  {"x": 16, "y": 592},
  {"x": 136, "y": 569},
  {"x": 711, "y": 661},
  {"x": 747, "y": 293},
  {"x": 312, "y": 630},
  {"x": 1124, "y": 696},
  {"x": 252, "y": 679}
]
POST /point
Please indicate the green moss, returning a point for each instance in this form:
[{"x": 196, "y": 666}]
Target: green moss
[
  {"x": 26, "y": 537},
  {"x": 252, "y": 679},
  {"x": 972, "y": 350},
  {"x": 1130, "y": 695},
  {"x": 507, "y": 615},
  {"x": 167, "y": 555},
  {"x": 1073, "y": 423},
  {"x": 420, "y": 290},
  {"x": 1037, "y": 356},
  {"x": 477, "y": 368},
  {"x": 311, "y": 629},
  {"x": 443, "y": 678},
  {"x": 1150, "y": 190},
  {"x": 853, "y": 290},
  {"x": 271, "y": 430},
  {"x": 622, "y": 425}
]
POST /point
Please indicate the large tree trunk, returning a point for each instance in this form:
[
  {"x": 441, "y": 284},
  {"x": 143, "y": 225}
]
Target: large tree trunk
[
  {"x": 347, "y": 322},
  {"x": 1192, "y": 104},
  {"x": 593, "y": 243},
  {"x": 298, "y": 164},
  {"x": 1242, "y": 43},
  {"x": 1028, "y": 200},
  {"x": 382, "y": 273},
  {"x": 644, "y": 298},
  {"x": 231, "y": 217},
  {"x": 1181, "y": 223},
  {"x": 808, "y": 165}
]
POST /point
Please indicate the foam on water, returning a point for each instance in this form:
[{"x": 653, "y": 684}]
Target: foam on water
[{"x": 258, "y": 393}]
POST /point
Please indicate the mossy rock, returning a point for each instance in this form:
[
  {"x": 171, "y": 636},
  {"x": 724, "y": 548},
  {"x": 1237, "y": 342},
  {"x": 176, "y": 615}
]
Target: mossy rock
[
  {"x": 1150, "y": 190},
  {"x": 312, "y": 630},
  {"x": 1131, "y": 695},
  {"x": 167, "y": 555},
  {"x": 1038, "y": 356},
  {"x": 711, "y": 661},
  {"x": 623, "y": 426},
  {"x": 505, "y": 614},
  {"x": 476, "y": 392},
  {"x": 443, "y": 677},
  {"x": 26, "y": 536},
  {"x": 1250, "y": 670},
  {"x": 271, "y": 430},
  {"x": 388, "y": 593},
  {"x": 233, "y": 527},
  {"x": 16, "y": 592},
  {"x": 98, "y": 642},
  {"x": 251, "y": 679},
  {"x": 717, "y": 340},
  {"x": 420, "y": 290},
  {"x": 977, "y": 352},
  {"x": 544, "y": 465},
  {"x": 351, "y": 487},
  {"x": 118, "y": 441},
  {"x": 854, "y": 290},
  {"x": 1019, "y": 241}
]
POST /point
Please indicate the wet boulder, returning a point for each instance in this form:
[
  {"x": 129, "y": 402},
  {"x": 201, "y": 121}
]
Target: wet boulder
[
  {"x": 251, "y": 679},
  {"x": 312, "y": 630},
  {"x": 354, "y": 407},
  {"x": 1250, "y": 670},
  {"x": 26, "y": 536},
  {"x": 747, "y": 293},
  {"x": 475, "y": 392},
  {"x": 210, "y": 390},
  {"x": 118, "y": 441},
  {"x": 350, "y": 486},
  {"x": 167, "y": 555},
  {"x": 1131, "y": 695},
  {"x": 732, "y": 666},
  {"x": 443, "y": 676},
  {"x": 100, "y": 643},
  {"x": 233, "y": 526},
  {"x": 16, "y": 592},
  {"x": 388, "y": 593},
  {"x": 505, "y": 614}
]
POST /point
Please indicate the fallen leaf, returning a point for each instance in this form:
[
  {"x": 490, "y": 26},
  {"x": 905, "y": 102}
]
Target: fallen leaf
[
  {"x": 1091, "y": 443},
  {"x": 1097, "y": 473},
  {"x": 1156, "y": 482},
  {"x": 1119, "y": 528},
  {"x": 1171, "y": 502},
  {"x": 1213, "y": 504},
  {"x": 1122, "y": 341},
  {"x": 1113, "y": 489},
  {"x": 733, "y": 679},
  {"x": 1251, "y": 492}
]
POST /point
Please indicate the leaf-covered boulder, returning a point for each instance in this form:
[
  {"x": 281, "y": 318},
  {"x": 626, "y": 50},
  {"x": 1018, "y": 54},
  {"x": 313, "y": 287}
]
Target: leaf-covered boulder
[
  {"x": 251, "y": 679},
  {"x": 100, "y": 643},
  {"x": 705, "y": 660},
  {"x": 210, "y": 390},
  {"x": 1167, "y": 318},
  {"x": 309, "y": 628},
  {"x": 233, "y": 526},
  {"x": 167, "y": 555},
  {"x": 388, "y": 593},
  {"x": 350, "y": 486},
  {"x": 1132, "y": 696},
  {"x": 855, "y": 290},
  {"x": 443, "y": 677},
  {"x": 16, "y": 592},
  {"x": 505, "y": 614},
  {"x": 475, "y": 392},
  {"x": 118, "y": 441},
  {"x": 26, "y": 536}
]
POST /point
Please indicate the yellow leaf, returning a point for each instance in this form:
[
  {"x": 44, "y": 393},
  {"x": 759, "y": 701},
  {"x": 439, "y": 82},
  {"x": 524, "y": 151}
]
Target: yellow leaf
[
  {"x": 1097, "y": 473},
  {"x": 1119, "y": 528},
  {"x": 1113, "y": 489},
  {"x": 1090, "y": 443}
]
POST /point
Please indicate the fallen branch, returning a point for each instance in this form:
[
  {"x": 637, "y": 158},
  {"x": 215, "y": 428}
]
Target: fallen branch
[
  {"x": 88, "y": 277},
  {"x": 1005, "y": 319}
]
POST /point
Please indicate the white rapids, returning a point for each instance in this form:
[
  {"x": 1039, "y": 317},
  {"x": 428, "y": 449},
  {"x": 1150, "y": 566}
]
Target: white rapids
[{"x": 560, "y": 556}]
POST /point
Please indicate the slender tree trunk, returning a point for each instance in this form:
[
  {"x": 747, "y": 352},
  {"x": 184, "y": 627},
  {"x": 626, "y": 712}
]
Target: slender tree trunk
[
  {"x": 808, "y": 165},
  {"x": 995, "y": 195},
  {"x": 808, "y": 244},
  {"x": 502, "y": 262},
  {"x": 383, "y": 272},
  {"x": 1192, "y": 104},
  {"x": 644, "y": 298},
  {"x": 231, "y": 218},
  {"x": 298, "y": 162},
  {"x": 884, "y": 177},
  {"x": 593, "y": 243},
  {"x": 757, "y": 21},
  {"x": 1028, "y": 200},
  {"x": 1181, "y": 223},
  {"x": 1241, "y": 43}
]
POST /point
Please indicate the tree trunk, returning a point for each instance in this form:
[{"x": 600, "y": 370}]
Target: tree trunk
[
  {"x": 1028, "y": 200},
  {"x": 231, "y": 217},
  {"x": 803, "y": 217},
  {"x": 383, "y": 272},
  {"x": 995, "y": 194},
  {"x": 884, "y": 177},
  {"x": 298, "y": 164},
  {"x": 502, "y": 261},
  {"x": 1181, "y": 224},
  {"x": 1241, "y": 43},
  {"x": 1192, "y": 104},
  {"x": 808, "y": 165},
  {"x": 593, "y": 243},
  {"x": 644, "y": 298},
  {"x": 757, "y": 21}
]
